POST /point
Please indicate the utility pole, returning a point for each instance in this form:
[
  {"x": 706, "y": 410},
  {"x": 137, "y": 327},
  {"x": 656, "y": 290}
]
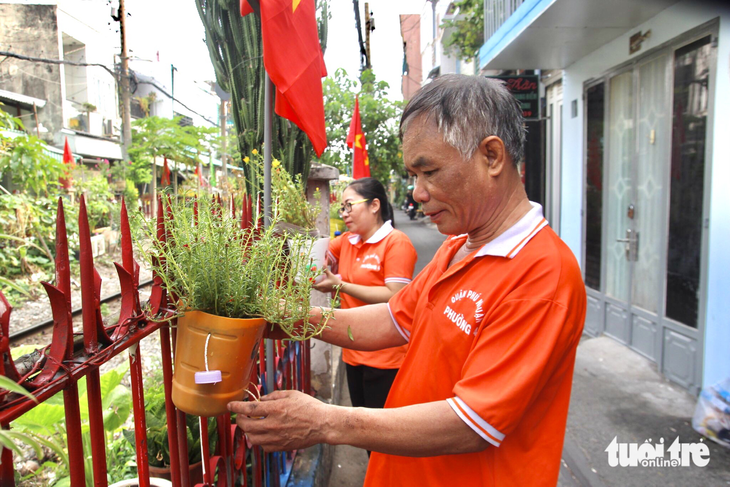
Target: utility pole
[
  {"x": 368, "y": 23},
  {"x": 172, "y": 89},
  {"x": 363, "y": 52},
  {"x": 126, "y": 104},
  {"x": 126, "y": 108}
]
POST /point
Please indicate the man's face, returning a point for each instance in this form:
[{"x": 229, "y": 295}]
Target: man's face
[{"x": 453, "y": 192}]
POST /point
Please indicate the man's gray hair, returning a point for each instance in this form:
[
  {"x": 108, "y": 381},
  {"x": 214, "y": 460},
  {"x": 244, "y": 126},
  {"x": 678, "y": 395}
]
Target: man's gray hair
[{"x": 467, "y": 109}]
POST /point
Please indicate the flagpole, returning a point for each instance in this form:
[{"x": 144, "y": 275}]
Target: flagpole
[{"x": 268, "y": 128}]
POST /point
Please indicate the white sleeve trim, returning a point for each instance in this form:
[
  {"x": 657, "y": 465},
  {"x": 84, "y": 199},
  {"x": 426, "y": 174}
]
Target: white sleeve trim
[
  {"x": 403, "y": 280},
  {"x": 403, "y": 332},
  {"x": 475, "y": 422}
]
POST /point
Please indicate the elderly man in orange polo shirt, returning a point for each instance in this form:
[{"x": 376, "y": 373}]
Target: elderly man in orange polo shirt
[{"x": 493, "y": 322}]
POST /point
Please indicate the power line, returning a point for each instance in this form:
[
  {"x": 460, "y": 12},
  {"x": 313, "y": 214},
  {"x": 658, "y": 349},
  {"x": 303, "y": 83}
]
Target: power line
[
  {"x": 22, "y": 57},
  {"x": 54, "y": 61},
  {"x": 172, "y": 98}
]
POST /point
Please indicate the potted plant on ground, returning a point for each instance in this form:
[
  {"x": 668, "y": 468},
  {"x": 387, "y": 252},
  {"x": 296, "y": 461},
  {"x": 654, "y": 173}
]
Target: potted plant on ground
[{"x": 228, "y": 276}]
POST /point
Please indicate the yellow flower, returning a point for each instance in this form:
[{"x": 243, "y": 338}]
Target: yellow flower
[
  {"x": 254, "y": 152},
  {"x": 246, "y": 159},
  {"x": 275, "y": 163}
]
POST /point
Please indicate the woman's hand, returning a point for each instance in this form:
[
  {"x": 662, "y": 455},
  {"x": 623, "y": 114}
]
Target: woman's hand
[{"x": 330, "y": 283}]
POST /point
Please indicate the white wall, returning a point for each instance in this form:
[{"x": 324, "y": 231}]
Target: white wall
[
  {"x": 667, "y": 25},
  {"x": 87, "y": 23}
]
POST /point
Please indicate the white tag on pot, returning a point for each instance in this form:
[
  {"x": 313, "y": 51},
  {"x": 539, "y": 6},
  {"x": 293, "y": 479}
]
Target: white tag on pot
[{"x": 208, "y": 377}]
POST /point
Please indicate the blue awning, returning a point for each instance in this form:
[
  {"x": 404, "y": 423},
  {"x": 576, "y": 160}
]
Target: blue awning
[{"x": 553, "y": 34}]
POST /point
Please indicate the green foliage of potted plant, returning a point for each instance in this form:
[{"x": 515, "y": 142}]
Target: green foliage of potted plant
[
  {"x": 158, "y": 446},
  {"x": 223, "y": 276}
]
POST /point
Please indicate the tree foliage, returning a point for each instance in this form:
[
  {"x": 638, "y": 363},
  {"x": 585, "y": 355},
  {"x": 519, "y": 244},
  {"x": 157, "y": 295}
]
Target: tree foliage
[
  {"x": 379, "y": 116},
  {"x": 467, "y": 34},
  {"x": 164, "y": 137},
  {"x": 235, "y": 48},
  {"x": 24, "y": 158}
]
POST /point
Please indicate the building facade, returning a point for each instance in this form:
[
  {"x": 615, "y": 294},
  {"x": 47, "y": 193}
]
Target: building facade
[
  {"x": 637, "y": 160},
  {"x": 410, "y": 31},
  {"x": 58, "y": 101},
  {"x": 435, "y": 60}
]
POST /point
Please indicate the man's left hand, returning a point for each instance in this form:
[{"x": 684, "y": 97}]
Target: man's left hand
[{"x": 282, "y": 420}]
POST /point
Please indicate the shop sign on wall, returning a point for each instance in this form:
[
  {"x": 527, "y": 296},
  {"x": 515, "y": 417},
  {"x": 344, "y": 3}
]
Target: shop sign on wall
[{"x": 525, "y": 89}]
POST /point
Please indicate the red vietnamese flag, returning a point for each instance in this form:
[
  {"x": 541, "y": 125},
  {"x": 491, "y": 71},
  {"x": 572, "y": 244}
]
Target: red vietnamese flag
[
  {"x": 199, "y": 172},
  {"x": 294, "y": 62},
  {"x": 165, "y": 181},
  {"x": 68, "y": 158},
  {"x": 356, "y": 138}
]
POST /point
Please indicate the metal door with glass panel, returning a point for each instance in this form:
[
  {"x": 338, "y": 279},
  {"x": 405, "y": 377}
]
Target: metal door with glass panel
[
  {"x": 639, "y": 127},
  {"x": 645, "y": 203}
]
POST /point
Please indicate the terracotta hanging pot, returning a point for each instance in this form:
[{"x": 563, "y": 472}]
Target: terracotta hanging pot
[{"x": 228, "y": 345}]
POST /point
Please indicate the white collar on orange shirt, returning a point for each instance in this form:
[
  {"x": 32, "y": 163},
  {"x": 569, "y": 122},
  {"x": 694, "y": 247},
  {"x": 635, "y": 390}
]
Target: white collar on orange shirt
[
  {"x": 379, "y": 234},
  {"x": 509, "y": 243}
]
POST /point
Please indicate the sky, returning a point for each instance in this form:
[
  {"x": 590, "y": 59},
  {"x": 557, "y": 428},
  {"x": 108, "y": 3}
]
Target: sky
[
  {"x": 386, "y": 44},
  {"x": 179, "y": 38}
]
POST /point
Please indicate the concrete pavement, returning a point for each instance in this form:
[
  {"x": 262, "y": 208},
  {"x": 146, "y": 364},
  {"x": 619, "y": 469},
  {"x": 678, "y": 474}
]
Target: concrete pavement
[{"x": 618, "y": 393}]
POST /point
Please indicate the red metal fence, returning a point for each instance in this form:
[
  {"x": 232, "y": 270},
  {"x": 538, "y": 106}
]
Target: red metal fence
[{"x": 65, "y": 361}]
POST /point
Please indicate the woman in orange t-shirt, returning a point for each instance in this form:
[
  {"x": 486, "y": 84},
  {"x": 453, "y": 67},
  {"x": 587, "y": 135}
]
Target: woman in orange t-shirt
[{"x": 375, "y": 261}]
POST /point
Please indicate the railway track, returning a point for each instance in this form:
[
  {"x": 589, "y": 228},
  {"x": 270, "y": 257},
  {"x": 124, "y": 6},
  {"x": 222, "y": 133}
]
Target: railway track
[{"x": 39, "y": 327}]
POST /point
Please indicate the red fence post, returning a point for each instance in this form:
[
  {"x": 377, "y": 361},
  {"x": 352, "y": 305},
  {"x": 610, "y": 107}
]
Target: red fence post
[
  {"x": 182, "y": 444},
  {"x": 172, "y": 436},
  {"x": 96, "y": 428},
  {"x": 140, "y": 421},
  {"x": 7, "y": 469},
  {"x": 73, "y": 434},
  {"x": 93, "y": 334}
]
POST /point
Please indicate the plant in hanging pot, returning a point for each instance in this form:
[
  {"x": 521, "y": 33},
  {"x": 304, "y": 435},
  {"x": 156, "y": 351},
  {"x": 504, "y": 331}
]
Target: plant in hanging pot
[{"x": 228, "y": 277}]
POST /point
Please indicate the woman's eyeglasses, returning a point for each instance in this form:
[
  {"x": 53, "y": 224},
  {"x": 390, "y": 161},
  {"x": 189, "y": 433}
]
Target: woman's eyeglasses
[{"x": 347, "y": 207}]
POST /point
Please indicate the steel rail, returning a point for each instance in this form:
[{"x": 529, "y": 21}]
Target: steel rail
[{"x": 33, "y": 329}]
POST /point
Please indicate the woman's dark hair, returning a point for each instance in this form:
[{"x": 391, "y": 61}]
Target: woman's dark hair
[{"x": 373, "y": 189}]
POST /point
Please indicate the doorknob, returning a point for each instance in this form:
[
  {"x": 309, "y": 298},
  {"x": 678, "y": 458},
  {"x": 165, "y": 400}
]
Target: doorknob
[
  {"x": 631, "y": 244},
  {"x": 627, "y": 241}
]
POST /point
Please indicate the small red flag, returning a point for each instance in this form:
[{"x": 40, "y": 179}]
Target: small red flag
[
  {"x": 199, "y": 172},
  {"x": 68, "y": 158},
  {"x": 294, "y": 62},
  {"x": 245, "y": 8},
  {"x": 165, "y": 181},
  {"x": 356, "y": 140}
]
